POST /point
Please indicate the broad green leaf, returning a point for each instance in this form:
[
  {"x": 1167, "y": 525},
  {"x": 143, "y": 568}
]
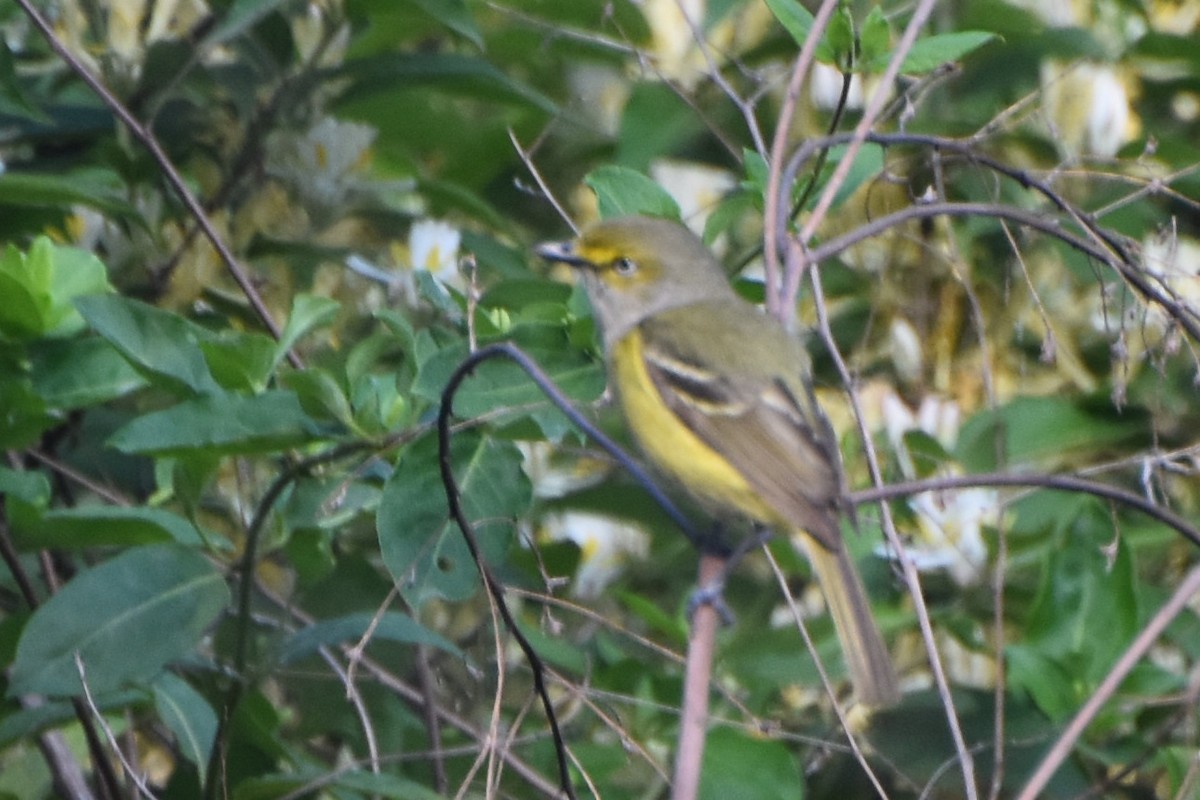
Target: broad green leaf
[
  {"x": 931, "y": 52},
  {"x": 655, "y": 122},
  {"x": 308, "y": 313},
  {"x": 97, "y": 526},
  {"x": 455, "y": 16},
  {"x": 23, "y": 414},
  {"x": 320, "y": 395},
  {"x": 74, "y": 373},
  {"x": 39, "y": 288},
  {"x": 1086, "y": 611},
  {"x": 621, "y": 191},
  {"x": 452, "y": 72},
  {"x": 422, "y": 548},
  {"x": 499, "y": 383},
  {"x": 53, "y": 191},
  {"x": 240, "y": 360},
  {"x": 737, "y": 764},
  {"x": 875, "y": 37},
  {"x": 1030, "y": 429},
  {"x": 797, "y": 21},
  {"x": 868, "y": 163},
  {"x": 29, "y": 487},
  {"x": 1047, "y": 680},
  {"x": 54, "y": 713},
  {"x": 161, "y": 344},
  {"x": 188, "y": 716},
  {"x": 379, "y": 406},
  {"x": 392, "y": 626},
  {"x": 126, "y": 619},
  {"x": 840, "y": 36},
  {"x": 219, "y": 424}
]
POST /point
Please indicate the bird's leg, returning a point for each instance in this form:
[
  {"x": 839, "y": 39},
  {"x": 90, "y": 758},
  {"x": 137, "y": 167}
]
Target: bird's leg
[{"x": 713, "y": 592}]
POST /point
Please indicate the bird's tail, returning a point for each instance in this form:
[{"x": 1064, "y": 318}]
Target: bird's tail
[{"x": 867, "y": 658}]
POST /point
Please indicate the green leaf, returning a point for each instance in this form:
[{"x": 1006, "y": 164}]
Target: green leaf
[
  {"x": 188, "y": 716},
  {"x": 499, "y": 383},
  {"x": 455, "y": 16},
  {"x": 126, "y": 618},
  {"x": 74, "y": 373},
  {"x": 162, "y": 345},
  {"x": 655, "y": 122},
  {"x": 320, "y": 395},
  {"x": 797, "y": 21},
  {"x": 841, "y": 37},
  {"x": 39, "y": 288},
  {"x": 621, "y": 191},
  {"x": 23, "y": 414},
  {"x": 53, "y": 713},
  {"x": 308, "y": 313},
  {"x": 868, "y": 163},
  {"x": 875, "y": 37},
  {"x": 1086, "y": 612},
  {"x": 97, "y": 526},
  {"x": 422, "y": 548},
  {"x": 1030, "y": 429},
  {"x": 25, "y": 189},
  {"x": 466, "y": 75},
  {"x": 240, "y": 361},
  {"x": 739, "y": 765},
  {"x": 931, "y": 52},
  {"x": 392, "y": 626},
  {"x": 241, "y": 17},
  {"x": 13, "y": 97},
  {"x": 29, "y": 487},
  {"x": 219, "y": 424}
]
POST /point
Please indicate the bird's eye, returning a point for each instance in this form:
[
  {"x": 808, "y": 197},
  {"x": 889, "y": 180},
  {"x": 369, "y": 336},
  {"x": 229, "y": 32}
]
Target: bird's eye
[{"x": 625, "y": 266}]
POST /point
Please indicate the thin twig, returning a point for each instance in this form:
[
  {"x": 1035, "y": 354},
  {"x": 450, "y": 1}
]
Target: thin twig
[
  {"x": 527, "y": 160},
  {"x": 775, "y": 234},
  {"x": 1067, "y": 483},
  {"x": 795, "y": 257},
  {"x": 494, "y": 588},
  {"x": 908, "y": 569},
  {"x": 693, "y": 726},
  {"x": 138, "y": 779}
]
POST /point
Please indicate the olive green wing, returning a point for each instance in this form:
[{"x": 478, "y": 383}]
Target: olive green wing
[{"x": 737, "y": 380}]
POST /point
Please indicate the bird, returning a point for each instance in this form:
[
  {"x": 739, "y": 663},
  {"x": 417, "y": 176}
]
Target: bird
[{"x": 718, "y": 396}]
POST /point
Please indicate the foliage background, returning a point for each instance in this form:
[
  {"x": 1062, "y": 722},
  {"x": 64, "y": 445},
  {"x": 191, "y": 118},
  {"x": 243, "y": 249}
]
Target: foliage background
[{"x": 161, "y": 445}]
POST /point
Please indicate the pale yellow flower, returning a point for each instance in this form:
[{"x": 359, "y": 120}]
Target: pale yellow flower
[{"x": 1087, "y": 107}]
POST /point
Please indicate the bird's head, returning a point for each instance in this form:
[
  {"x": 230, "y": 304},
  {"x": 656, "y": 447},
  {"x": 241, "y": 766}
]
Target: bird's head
[{"x": 634, "y": 267}]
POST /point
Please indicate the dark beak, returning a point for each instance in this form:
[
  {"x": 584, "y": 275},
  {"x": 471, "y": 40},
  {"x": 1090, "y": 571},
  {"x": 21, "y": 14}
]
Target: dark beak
[{"x": 560, "y": 252}]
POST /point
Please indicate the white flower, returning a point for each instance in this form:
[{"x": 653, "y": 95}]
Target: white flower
[
  {"x": 697, "y": 188},
  {"x": 555, "y": 473},
  {"x": 1088, "y": 108},
  {"x": 1175, "y": 263},
  {"x": 605, "y": 544},
  {"x": 950, "y": 531},
  {"x": 905, "y": 345},
  {"x": 950, "y": 524},
  {"x": 825, "y": 88},
  {"x": 433, "y": 247},
  {"x": 321, "y": 164},
  {"x": 936, "y": 416}
]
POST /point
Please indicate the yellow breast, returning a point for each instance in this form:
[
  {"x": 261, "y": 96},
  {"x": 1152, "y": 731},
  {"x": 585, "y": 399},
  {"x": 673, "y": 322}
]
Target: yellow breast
[{"x": 670, "y": 444}]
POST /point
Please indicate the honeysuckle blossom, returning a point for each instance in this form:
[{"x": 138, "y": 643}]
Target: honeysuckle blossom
[{"x": 949, "y": 535}]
